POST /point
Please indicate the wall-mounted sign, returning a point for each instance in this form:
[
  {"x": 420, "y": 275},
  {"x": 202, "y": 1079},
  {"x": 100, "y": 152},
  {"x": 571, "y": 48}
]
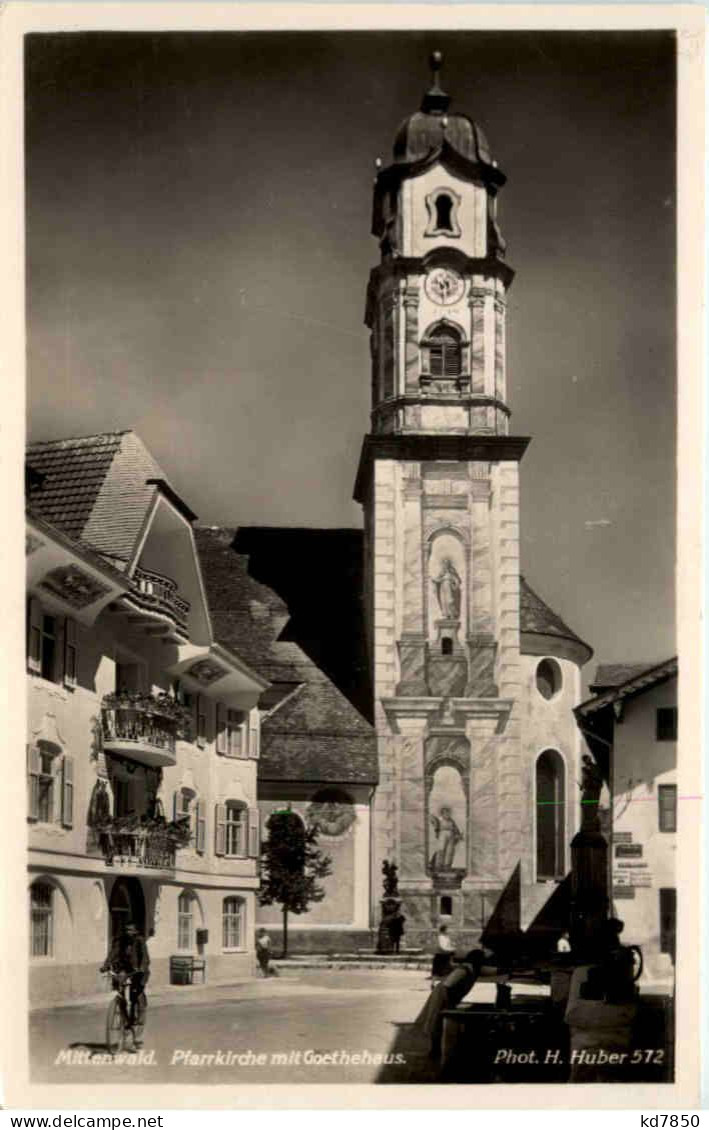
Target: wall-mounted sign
[
  {"x": 623, "y": 893},
  {"x": 624, "y": 851}
]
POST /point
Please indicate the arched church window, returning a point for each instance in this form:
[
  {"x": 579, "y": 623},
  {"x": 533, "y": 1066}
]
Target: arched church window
[
  {"x": 443, "y": 350},
  {"x": 444, "y": 210},
  {"x": 550, "y": 814}
]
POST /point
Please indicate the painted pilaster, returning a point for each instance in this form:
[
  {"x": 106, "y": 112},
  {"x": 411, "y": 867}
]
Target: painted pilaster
[
  {"x": 476, "y": 304},
  {"x": 510, "y": 775},
  {"x": 412, "y": 647},
  {"x": 411, "y": 353}
]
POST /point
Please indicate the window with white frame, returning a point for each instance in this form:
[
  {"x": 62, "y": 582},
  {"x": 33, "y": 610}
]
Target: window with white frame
[
  {"x": 236, "y": 828},
  {"x": 201, "y": 708},
  {"x": 45, "y": 789},
  {"x": 50, "y": 782},
  {"x": 233, "y": 913},
  {"x": 188, "y": 807},
  {"x": 52, "y": 645},
  {"x": 185, "y": 921},
  {"x": 235, "y": 729},
  {"x": 41, "y": 920}
]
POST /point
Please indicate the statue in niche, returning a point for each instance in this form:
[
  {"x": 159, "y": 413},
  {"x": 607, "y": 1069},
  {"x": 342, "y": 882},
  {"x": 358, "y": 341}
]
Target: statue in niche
[
  {"x": 448, "y": 836},
  {"x": 448, "y": 588}
]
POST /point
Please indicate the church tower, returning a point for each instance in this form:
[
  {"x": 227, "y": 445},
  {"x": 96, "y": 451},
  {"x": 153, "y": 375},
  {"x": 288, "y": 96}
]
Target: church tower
[{"x": 455, "y": 672}]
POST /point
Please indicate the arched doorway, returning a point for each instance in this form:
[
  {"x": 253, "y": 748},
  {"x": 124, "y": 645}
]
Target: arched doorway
[
  {"x": 551, "y": 815},
  {"x": 126, "y": 904}
]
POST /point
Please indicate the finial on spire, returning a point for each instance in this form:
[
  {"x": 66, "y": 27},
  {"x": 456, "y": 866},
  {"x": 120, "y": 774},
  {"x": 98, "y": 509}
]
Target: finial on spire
[{"x": 435, "y": 101}]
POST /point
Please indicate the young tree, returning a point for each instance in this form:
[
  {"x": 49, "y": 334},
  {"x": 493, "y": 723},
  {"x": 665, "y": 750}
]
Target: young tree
[{"x": 291, "y": 865}]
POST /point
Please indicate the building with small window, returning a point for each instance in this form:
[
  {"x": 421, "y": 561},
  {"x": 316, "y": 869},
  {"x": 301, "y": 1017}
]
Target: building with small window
[
  {"x": 143, "y": 730},
  {"x": 630, "y": 725},
  {"x": 289, "y": 602}
]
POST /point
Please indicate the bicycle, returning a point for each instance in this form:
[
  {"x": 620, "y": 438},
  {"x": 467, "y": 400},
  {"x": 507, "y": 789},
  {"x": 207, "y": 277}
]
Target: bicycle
[{"x": 118, "y": 1017}]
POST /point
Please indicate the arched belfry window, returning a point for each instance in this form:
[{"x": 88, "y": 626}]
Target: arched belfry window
[
  {"x": 443, "y": 352},
  {"x": 443, "y": 205},
  {"x": 550, "y": 815},
  {"x": 444, "y": 209}
]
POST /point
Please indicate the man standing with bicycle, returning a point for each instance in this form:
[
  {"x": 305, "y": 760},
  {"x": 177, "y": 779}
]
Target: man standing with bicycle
[{"x": 129, "y": 956}]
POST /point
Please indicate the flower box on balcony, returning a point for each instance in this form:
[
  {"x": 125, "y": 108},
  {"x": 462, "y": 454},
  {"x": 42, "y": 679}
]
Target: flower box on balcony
[
  {"x": 146, "y": 842},
  {"x": 143, "y": 727}
]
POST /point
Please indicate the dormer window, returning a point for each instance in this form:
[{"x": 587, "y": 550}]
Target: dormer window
[
  {"x": 443, "y": 352},
  {"x": 443, "y": 205}
]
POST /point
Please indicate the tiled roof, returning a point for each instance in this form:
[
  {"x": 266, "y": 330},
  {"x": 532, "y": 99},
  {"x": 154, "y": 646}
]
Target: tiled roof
[
  {"x": 315, "y": 734},
  {"x": 640, "y": 678},
  {"x": 614, "y": 674},
  {"x": 95, "y": 489},
  {"x": 73, "y": 471},
  {"x": 536, "y": 616}
]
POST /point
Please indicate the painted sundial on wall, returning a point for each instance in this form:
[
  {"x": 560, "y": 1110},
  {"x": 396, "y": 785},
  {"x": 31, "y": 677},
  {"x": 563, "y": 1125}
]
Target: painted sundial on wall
[{"x": 444, "y": 286}]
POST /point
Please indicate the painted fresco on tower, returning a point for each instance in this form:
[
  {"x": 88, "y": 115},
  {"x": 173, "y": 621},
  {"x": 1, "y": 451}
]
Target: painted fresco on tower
[
  {"x": 447, "y": 819},
  {"x": 447, "y": 596}
]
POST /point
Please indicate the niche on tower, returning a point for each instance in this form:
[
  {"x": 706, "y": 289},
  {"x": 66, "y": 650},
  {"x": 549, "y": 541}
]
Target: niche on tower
[
  {"x": 447, "y": 770},
  {"x": 447, "y": 612}
]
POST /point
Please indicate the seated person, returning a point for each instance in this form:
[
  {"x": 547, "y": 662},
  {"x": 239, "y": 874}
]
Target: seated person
[{"x": 443, "y": 957}]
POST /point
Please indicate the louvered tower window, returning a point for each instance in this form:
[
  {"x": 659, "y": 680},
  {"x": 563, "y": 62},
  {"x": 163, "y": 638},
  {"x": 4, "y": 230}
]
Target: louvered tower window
[{"x": 445, "y": 352}]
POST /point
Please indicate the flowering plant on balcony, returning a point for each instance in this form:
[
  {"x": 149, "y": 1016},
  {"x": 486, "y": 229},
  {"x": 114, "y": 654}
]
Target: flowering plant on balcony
[
  {"x": 162, "y": 705},
  {"x": 150, "y": 839}
]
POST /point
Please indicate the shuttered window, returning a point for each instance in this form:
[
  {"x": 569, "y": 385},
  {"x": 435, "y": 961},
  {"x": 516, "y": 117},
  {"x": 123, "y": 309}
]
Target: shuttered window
[
  {"x": 254, "y": 833},
  {"x": 34, "y": 637},
  {"x": 254, "y": 741},
  {"x": 201, "y": 715},
  {"x": 67, "y": 791},
  {"x": 71, "y": 659},
  {"x": 201, "y": 828},
  {"x": 222, "y": 745},
  {"x": 34, "y": 769},
  {"x": 444, "y": 353}
]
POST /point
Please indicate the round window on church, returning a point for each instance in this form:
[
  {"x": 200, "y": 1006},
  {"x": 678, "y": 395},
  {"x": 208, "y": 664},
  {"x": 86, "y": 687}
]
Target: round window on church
[{"x": 548, "y": 678}]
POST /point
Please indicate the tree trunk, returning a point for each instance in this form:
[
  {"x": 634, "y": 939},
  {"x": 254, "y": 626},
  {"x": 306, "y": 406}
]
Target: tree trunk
[{"x": 285, "y": 932}]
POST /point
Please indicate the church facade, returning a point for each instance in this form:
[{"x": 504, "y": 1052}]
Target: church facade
[{"x": 474, "y": 677}]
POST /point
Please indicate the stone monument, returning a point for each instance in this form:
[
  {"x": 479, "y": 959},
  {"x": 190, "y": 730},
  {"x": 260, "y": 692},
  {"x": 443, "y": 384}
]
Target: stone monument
[{"x": 589, "y": 869}]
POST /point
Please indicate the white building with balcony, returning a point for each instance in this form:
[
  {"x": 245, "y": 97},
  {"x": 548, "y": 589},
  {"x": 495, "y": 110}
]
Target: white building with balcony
[{"x": 143, "y": 731}]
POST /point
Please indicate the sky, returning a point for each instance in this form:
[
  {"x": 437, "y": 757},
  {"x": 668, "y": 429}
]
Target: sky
[{"x": 198, "y": 247}]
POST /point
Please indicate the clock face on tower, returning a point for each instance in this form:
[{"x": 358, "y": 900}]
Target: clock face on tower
[{"x": 444, "y": 286}]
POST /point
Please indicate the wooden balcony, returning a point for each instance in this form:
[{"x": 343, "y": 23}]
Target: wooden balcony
[{"x": 157, "y": 593}]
